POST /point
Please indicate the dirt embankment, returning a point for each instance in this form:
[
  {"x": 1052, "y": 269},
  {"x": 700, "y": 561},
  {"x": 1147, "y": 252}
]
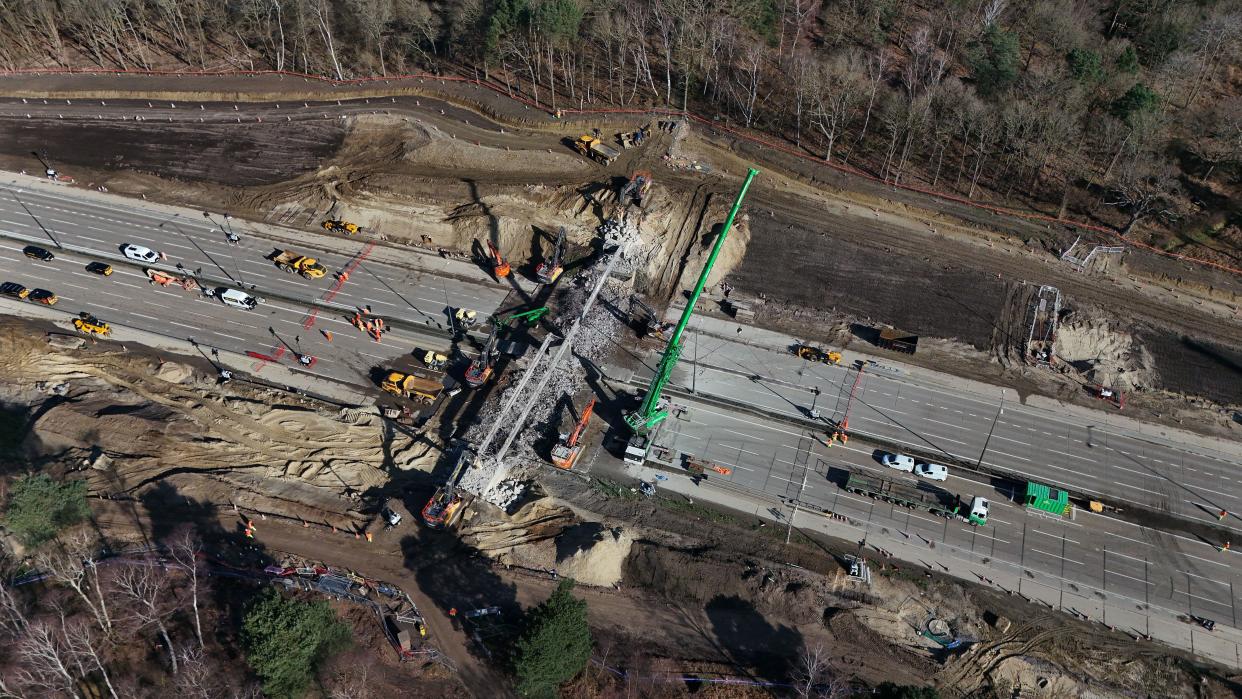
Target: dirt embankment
[{"x": 134, "y": 424}]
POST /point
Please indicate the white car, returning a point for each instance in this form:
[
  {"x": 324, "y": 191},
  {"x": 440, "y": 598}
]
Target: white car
[
  {"x": 901, "y": 462},
  {"x": 238, "y": 299},
  {"x": 932, "y": 472},
  {"x": 140, "y": 253}
]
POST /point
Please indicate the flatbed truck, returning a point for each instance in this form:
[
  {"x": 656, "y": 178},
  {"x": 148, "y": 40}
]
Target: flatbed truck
[{"x": 937, "y": 502}]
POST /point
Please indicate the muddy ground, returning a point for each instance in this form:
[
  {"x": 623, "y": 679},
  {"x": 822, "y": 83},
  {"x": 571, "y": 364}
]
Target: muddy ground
[
  {"x": 258, "y": 154},
  {"x": 415, "y": 167}
]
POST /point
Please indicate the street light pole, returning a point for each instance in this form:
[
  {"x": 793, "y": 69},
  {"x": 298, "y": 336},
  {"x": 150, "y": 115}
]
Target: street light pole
[{"x": 991, "y": 429}]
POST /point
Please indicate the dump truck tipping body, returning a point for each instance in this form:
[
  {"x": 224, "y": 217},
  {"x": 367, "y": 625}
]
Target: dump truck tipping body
[
  {"x": 596, "y": 149},
  {"x": 422, "y": 388}
]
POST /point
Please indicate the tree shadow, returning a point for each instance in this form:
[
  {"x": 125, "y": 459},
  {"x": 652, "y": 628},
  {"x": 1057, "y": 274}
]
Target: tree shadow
[
  {"x": 750, "y": 642},
  {"x": 456, "y": 576}
]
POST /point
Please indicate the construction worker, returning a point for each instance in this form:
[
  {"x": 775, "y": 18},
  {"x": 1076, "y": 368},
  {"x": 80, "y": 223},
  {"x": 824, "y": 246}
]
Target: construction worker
[
  {"x": 1225, "y": 547},
  {"x": 327, "y": 335},
  {"x": 1222, "y": 516}
]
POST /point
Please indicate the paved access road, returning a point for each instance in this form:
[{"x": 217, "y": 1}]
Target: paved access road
[
  {"x": 997, "y": 431},
  {"x": 1092, "y": 559},
  {"x": 63, "y": 219}
]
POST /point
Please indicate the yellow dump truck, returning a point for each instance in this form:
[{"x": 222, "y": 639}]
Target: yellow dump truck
[
  {"x": 418, "y": 388},
  {"x": 290, "y": 261},
  {"x": 596, "y": 149}
]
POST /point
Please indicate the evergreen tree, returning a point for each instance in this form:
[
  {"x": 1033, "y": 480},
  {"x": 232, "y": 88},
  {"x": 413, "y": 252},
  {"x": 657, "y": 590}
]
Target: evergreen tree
[
  {"x": 555, "y": 645},
  {"x": 286, "y": 640},
  {"x": 39, "y": 507}
]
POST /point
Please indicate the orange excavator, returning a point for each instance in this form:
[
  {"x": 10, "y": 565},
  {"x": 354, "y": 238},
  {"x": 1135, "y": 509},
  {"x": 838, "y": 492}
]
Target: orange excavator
[
  {"x": 499, "y": 266},
  {"x": 565, "y": 453},
  {"x": 480, "y": 370}
]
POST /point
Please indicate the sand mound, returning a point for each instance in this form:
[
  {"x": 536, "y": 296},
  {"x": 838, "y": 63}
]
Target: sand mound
[
  {"x": 1105, "y": 354},
  {"x": 593, "y": 555},
  {"x": 444, "y": 153},
  {"x": 174, "y": 372}
]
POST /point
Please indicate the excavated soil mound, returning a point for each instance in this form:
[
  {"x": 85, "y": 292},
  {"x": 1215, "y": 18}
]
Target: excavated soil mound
[
  {"x": 139, "y": 425},
  {"x": 593, "y": 555},
  {"x": 1105, "y": 354}
]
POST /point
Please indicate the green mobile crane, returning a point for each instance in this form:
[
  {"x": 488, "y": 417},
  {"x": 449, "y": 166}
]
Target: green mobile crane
[{"x": 649, "y": 415}]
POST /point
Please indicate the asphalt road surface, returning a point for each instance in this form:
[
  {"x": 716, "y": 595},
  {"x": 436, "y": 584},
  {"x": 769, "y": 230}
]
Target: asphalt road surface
[
  {"x": 62, "y": 219},
  {"x": 995, "y": 431},
  {"x": 1089, "y": 555},
  {"x": 295, "y": 318}
]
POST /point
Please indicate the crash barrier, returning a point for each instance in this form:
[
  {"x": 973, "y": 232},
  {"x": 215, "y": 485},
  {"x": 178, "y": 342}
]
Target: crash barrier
[{"x": 746, "y": 135}]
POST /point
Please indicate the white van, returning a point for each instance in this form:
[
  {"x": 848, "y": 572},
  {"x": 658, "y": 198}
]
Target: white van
[
  {"x": 978, "y": 511},
  {"x": 239, "y": 299},
  {"x": 901, "y": 462}
]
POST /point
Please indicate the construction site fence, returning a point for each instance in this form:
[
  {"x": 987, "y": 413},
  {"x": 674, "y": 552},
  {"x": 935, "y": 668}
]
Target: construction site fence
[{"x": 745, "y": 134}]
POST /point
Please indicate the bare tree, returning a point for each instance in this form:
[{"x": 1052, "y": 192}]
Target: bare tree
[
  {"x": 197, "y": 679},
  {"x": 1216, "y": 135},
  {"x": 747, "y": 78},
  {"x": 75, "y": 564},
  {"x": 44, "y": 664},
  {"x": 144, "y": 586},
  {"x": 185, "y": 549},
  {"x": 321, "y": 11},
  {"x": 812, "y": 679},
  {"x": 373, "y": 17},
  {"x": 1145, "y": 190}
]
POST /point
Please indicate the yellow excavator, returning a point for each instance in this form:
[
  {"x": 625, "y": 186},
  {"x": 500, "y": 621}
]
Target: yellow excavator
[{"x": 336, "y": 225}]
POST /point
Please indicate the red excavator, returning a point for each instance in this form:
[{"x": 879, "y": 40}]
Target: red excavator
[
  {"x": 480, "y": 370},
  {"x": 499, "y": 266},
  {"x": 567, "y": 451}
]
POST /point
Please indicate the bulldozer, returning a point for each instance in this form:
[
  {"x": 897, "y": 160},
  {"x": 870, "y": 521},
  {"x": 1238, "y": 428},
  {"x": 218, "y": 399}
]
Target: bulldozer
[
  {"x": 815, "y": 354},
  {"x": 337, "y": 225},
  {"x": 89, "y": 324},
  {"x": 567, "y": 451}
]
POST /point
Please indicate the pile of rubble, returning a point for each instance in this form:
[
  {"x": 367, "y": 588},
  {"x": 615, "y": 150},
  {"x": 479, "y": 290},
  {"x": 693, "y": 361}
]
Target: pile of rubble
[{"x": 594, "y": 340}]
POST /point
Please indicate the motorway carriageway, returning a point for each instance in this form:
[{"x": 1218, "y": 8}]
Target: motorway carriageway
[
  {"x": 1030, "y": 443},
  {"x": 128, "y": 298},
  {"x": 100, "y": 227},
  {"x": 1092, "y": 554}
]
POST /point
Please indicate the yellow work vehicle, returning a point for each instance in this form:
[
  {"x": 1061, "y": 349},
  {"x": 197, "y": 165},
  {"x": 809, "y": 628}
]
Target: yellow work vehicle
[
  {"x": 91, "y": 325},
  {"x": 336, "y": 225},
  {"x": 815, "y": 354},
  {"x": 595, "y": 149},
  {"x": 290, "y": 261},
  {"x": 416, "y": 388},
  {"x": 434, "y": 360}
]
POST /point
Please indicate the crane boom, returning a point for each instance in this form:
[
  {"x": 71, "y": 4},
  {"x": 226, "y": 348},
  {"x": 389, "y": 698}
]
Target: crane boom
[
  {"x": 582, "y": 423},
  {"x": 648, "y": 414}
]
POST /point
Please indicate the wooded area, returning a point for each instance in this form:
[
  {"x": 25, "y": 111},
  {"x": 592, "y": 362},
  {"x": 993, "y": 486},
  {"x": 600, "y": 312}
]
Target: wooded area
[{"x": 1048, "y": 103}]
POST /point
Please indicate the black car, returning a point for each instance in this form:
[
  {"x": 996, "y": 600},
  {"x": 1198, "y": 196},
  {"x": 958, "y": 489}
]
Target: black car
[{"x": 35, "y": 252}]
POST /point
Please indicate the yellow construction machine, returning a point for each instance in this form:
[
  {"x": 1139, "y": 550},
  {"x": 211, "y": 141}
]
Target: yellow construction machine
[
  {"x": 91, "y": 325},
  {"x": 416, "y": 388},
  {"x": 291, "y": 261},
  {"x": 815, "y": 354},
  {"x": 336, "y": 225}
]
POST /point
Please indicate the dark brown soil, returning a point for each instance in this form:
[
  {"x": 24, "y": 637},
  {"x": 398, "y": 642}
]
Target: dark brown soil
[
  {"x": 238, "y": 155},
  {"x": 813, "y": 268},
  {"x": 1196, "y": 366}
]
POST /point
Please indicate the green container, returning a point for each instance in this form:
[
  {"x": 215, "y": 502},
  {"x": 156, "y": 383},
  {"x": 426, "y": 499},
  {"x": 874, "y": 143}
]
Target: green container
[{"x": 1048, "y": 499}]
